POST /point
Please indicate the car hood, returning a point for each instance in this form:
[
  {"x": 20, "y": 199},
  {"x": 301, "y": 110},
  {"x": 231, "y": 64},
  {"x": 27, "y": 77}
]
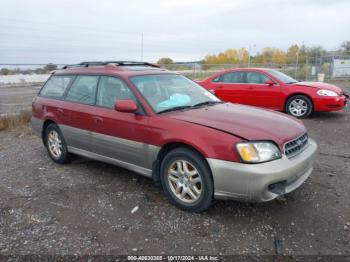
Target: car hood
[
  {"x": 321, "y": 85},
  {"x": 247, "y": 122}
]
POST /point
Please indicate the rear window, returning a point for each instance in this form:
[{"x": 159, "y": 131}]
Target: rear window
[{"x": 56, "y": 86}]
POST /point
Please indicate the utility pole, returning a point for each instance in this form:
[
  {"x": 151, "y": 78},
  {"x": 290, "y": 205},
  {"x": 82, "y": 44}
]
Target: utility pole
[
  {"x": 249, "y": 51},
  {"x": 296, "y": 64},
  {"x": 141, "y": 47},
  {"x": 307, "y": 68}
]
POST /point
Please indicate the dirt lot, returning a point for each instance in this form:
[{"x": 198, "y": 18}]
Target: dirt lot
[{"x": 85, "y": 207}]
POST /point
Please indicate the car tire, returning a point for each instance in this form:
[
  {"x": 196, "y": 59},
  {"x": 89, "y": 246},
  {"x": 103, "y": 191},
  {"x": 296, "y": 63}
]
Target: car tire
[
  {"x": 56, "y": 144},
  {"x": 186, "y": 180},
  {"x": 299, "y": 106}
]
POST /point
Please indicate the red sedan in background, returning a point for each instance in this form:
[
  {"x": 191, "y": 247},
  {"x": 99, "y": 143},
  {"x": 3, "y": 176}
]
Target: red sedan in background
[{"x": 274, "y": 90}]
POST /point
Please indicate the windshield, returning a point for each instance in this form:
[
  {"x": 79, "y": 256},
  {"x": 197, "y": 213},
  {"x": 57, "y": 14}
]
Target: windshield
[
  {"x": 282, "y": 77},
  {"x": 168, "y": 92}
]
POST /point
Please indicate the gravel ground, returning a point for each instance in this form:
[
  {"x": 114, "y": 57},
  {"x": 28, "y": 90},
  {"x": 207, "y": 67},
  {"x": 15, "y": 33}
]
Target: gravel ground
[{"x": 85, "y": 207}]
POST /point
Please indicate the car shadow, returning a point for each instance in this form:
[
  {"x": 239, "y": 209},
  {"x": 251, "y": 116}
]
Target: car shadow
[{"x": 328, "y": 115}]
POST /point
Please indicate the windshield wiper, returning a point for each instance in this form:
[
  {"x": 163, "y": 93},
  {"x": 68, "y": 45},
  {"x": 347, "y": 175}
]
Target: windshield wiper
[
  {"x": 189, "y": 107},
  {"x": 207, "y": 103},
  {"x": 292, "y": 82},
  {"x": 174, "y": 109}
]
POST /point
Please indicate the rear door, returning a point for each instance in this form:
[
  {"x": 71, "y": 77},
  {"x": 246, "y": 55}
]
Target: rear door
[
  {"x": 231, "y": 87},
  {"x": 79, "y": 104},
  {"x": 258, "y": 93},
  {"x": 116, "y": 134}
]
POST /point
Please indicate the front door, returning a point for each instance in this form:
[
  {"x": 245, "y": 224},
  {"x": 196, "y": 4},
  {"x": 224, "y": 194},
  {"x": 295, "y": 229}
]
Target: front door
[
  {"x": 116, "y": 134},
  {"x": 259, "y": 93},
  {"x": 230, "y": 87}
]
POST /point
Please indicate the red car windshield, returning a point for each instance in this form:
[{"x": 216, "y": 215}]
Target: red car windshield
[{"x": 282, "y": 77}]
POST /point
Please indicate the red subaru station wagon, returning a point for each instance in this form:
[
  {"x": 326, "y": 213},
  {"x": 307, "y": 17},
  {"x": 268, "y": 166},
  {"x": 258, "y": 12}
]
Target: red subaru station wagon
[
  {"x": 272, "y": 89},
  {"x": 168, "y": 128}
]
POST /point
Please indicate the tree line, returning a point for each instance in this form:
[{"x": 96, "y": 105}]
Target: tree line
[
  {"x": 295, "y": 54},
  {"x": 42, "y": 70}
]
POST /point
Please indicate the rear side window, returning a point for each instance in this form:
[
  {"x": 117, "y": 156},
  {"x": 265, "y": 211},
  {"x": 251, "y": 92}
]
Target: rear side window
[
  {"x": 83, "y": 90},
  {"x": 56, "y": 86},
  {"x": 233, "y": 77},
  {"x": 111, "y": 89}
]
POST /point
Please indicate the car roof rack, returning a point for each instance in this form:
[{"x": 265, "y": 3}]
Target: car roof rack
[{"x": 117, "y": 63}]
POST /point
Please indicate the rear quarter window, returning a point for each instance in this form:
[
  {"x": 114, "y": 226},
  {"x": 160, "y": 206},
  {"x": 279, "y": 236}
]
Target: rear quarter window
[{"x": 56, "y": 86}]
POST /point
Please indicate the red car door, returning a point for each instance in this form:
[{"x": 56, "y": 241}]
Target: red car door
[
  {"x": 78, "y": 105},
  {"x": 260, "y": 93},
  {"x": 230, "y": 87},
  {"x": 118, "y": 135}
]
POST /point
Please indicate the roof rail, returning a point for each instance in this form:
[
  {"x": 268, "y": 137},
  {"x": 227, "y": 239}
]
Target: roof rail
[{"x": 118, "y": 63}]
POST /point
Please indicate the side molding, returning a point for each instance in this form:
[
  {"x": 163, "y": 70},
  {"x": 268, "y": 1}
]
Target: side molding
[{"x": 140, "y": 170}]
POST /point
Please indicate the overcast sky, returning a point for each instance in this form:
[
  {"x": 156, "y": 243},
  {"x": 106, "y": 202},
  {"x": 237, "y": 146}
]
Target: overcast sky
[{"x": 67, "y": 31}]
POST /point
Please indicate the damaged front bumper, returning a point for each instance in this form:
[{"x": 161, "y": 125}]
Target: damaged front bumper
[{"x": 261, "y": 182}]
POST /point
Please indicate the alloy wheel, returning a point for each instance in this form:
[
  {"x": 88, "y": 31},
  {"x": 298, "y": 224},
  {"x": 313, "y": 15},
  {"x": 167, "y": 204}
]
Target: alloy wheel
[
  {"x": 298, "y": 107},
  {"x": 55, "y": 144},
  {"x": 185, "y": 181}
]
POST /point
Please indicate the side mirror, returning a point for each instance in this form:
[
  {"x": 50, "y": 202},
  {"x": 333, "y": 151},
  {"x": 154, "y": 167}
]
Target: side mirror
[
  {"x": 269, "y": 82},
  {"x": 126, "y": 106}
]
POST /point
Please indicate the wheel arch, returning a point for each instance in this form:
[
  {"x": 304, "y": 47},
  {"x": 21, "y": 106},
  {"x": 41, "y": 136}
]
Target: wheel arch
[
  {"x": 165, "y": 149},
  {"x": 46, "y": 123},
  {"x": 297, "y": 94}
]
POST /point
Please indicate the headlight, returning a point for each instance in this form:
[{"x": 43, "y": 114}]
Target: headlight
[
  {"x": 257, "y": 152},
  {"x": 323, "y": 92}
]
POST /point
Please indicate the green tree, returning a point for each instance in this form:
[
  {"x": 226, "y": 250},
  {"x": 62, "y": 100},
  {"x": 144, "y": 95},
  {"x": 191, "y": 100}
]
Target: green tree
[
  {"x": 167, "y": 62},
  {"x": 50, "y": 67},
  {"x": 315, "y": 51},
  {"x": 4, "y": 71},
  {"x": 345, "y": 47}
]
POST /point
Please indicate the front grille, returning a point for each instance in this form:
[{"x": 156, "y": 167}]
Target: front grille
[{"x": 295, "y": 146}]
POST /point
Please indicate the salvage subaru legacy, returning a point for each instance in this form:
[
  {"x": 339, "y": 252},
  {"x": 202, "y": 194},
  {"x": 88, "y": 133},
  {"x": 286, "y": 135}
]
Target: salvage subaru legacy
[{"x": 168, "y": 128}]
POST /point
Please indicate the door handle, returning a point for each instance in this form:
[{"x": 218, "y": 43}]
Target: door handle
[
  {"x": 250, "y": 87},
  {"x": 98, "y": 120}
]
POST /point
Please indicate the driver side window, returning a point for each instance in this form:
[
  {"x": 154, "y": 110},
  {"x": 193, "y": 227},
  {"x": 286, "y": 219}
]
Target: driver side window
[
  {"x": 256, "y": 78},
  {"x": 111, "y": 89}
]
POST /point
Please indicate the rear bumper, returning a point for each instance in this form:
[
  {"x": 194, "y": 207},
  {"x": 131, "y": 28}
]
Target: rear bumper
[
  {"x": 261, "y": 182},
  {"x": 330, "y": 103},
  {"x": 37, "y": 125}
]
